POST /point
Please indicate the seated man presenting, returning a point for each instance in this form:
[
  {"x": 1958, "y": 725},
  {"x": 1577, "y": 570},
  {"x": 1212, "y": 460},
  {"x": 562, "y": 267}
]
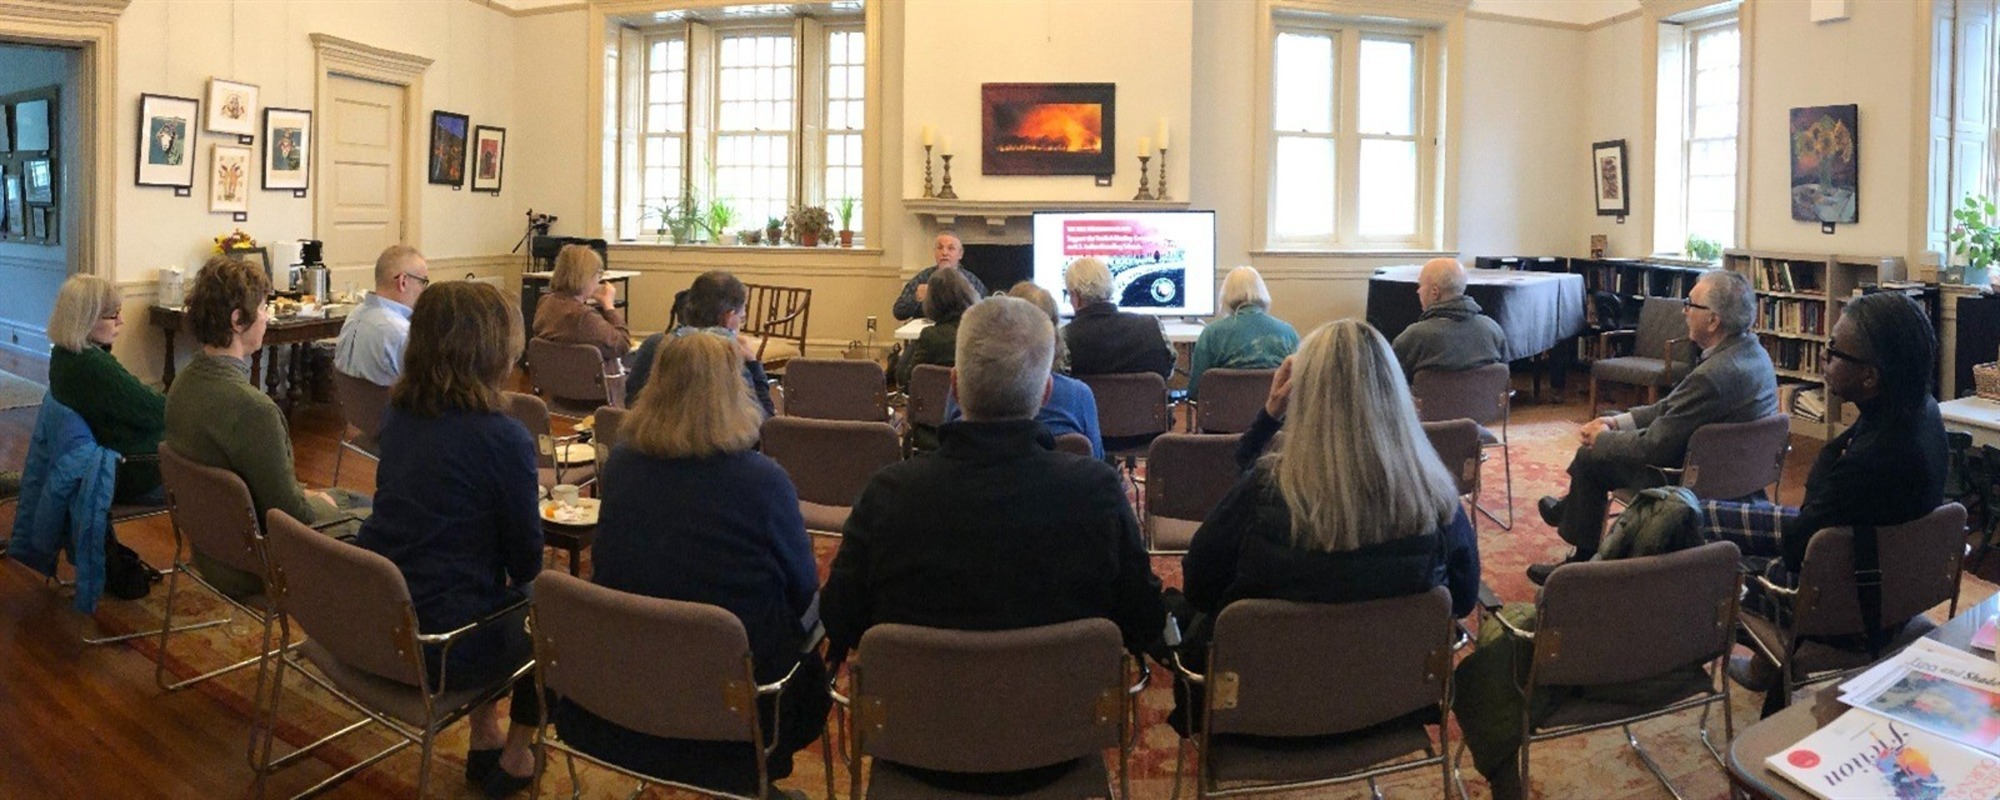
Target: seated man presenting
[
  {"x": 996, "y": 530},
  {"x": 371, "y": 340},
  {"x": 1452, "y": 334},
  {"x": 947, "y": 250},
  {"x": 1733, "y": 383},
  {"x": 715, "y": 303}
]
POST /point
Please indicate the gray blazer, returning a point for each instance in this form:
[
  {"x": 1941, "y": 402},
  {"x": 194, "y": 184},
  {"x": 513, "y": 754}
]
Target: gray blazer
[{"x": 1733, "y": 383}]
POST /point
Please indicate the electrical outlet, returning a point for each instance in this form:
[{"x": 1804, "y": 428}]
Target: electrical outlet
[{"x": 871, "y": 324}]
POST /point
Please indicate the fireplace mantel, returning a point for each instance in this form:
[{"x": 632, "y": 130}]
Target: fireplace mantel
[{"x": 942, "y": 214}]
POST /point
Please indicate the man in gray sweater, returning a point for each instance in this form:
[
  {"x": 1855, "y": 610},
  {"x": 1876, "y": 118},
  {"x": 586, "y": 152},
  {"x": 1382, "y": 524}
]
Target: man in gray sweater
[
  {"x": 1734, "y": 382},
  {"x": 1452, "y": 334}
]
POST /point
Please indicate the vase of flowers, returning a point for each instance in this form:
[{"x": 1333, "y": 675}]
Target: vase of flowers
[{"x": 1824, "y": 146}]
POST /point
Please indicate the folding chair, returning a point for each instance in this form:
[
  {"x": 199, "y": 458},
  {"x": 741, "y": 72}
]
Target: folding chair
[
  {"x": 362, "y": 404},
  {"x": 574, "y": 378},
  {"x": 830, "y": 462},
  {"x": 836, "y": 388},
  {"x": 1484, "y": 395},
  {"x": 1187, "y": 474}
]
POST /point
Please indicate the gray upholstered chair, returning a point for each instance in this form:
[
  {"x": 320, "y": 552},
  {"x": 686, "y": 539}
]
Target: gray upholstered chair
[
  {"x": 1729, "y": 460},
  {"x": 365, "y": 648},
  {"x": 1661, "y": 352},
  {"x": 558, "y": 459},
  {"x": 830, "y": 462},
  {"x": 1589, "y": 633},
  {"x": 1076, "y": 444},
  {"x": 698, "y": 679},
  {"x": 1458, "y": 446},
  {"x": 574, "y": 378},
  {"x": 609, "y": 420},
  {"x": 928, "y": 392},
  {"x": 933, "y": 699},
  {"x": 362, "y": 404},
  {"x": 1484, "y": 395},
  {"x": 214, "y": 515},
  {"x": 1267, "y": 677},
  {"x": 1919, "y": 573},
  {"x": 1187, "y": 474},
  {"x": 1230, "y": 399},
  {"x": 836, "y": 388}
]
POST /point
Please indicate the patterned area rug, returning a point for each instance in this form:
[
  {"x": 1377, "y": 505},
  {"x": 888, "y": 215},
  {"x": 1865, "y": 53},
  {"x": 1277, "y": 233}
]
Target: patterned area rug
[
  {"x": 1597, "y": 766},
  {"x": 19, "y": 392}
]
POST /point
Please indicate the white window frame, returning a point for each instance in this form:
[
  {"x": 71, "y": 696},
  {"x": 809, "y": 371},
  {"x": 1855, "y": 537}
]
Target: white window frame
[{"x": 1674, "y": 134}]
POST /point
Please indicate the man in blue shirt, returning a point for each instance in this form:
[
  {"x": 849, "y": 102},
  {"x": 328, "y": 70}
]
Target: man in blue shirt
[{"x": 372, "y": 339}]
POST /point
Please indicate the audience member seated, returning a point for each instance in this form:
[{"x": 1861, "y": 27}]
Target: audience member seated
[
  {"x": 1733, "y": 383},
  {"x": 1452, "y": 334},
  {"x": 124, "y": 414},
  {"x": 1886, "y": 469},
  {"x": 580, "y": 307},
  {"x": 1103, "y": 340},
  {"x": 216, "y": 418},
  {"x": 949, "y": 295},
  {"x": 1355, "y": 507},
  {"x": 947, "y": 250},
  {"x": 372, "y": 339},
  {"x": 715, "y": 303},
  {"x": 1249, "y": 338},
  {"x": 691, "y": 512},
  {"x": 457, "y": 510},
  {"x": 1071, "y": 407},
  {"x": 996, "y": 530}
]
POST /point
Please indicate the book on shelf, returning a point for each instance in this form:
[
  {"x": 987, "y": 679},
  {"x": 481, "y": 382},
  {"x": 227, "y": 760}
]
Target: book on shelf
[
  {"x": 1866, "y": 756},
  {"x": 1810, "y": 404}
]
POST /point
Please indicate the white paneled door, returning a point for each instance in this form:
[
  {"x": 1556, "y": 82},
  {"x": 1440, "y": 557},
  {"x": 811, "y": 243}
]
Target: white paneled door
[{"x": 361, "y": 200}]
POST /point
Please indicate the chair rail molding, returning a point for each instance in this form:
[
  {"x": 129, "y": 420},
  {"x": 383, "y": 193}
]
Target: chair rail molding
[{"x": 90, "y": 28}]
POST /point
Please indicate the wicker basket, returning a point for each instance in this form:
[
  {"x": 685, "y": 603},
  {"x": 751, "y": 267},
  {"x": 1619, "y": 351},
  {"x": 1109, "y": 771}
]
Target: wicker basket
[{"x": 1986, "y": 380}]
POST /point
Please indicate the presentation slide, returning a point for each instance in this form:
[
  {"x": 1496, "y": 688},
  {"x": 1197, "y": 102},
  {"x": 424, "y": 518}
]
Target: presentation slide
[{"x": 1162, "y": 262}]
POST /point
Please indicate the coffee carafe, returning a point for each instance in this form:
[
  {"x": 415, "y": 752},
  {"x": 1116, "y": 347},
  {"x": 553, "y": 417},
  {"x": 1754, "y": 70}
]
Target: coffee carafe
[{"x": 310, "y": 275}]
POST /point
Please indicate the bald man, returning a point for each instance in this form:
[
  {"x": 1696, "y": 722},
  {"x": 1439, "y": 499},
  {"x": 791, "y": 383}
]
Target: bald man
[
  {"x": 372, "y": 339},
  {"x": 1452, "y": 334},
  {"x": 946, "y": 250}
]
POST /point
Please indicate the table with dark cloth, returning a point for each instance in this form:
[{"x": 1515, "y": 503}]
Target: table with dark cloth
[{"x": 1536, "y": 310}]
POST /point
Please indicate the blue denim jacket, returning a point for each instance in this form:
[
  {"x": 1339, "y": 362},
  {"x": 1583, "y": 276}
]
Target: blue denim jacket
[{"x": 65, "y": 499}]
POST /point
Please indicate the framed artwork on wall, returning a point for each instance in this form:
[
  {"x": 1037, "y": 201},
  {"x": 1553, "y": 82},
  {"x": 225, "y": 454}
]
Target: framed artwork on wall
[
  {"x": 1048, "y": 128},
  {"x": 33, "y": 132},
  {"x": 40, "y": 180},
  {"x": 489, "y": 152},
  {"x": 17, "y": 218},
  {"x": 448, "y": 133},
  {"x": 232, "y": 107},
  {"x": 1826, "y": 164},
  {"x": 1609, "y": 183},
  {"x": 166, "y": 128},
  {"x": 287, "y": 148},
  {"x": 229, "y": 178},
  {"x": 6, "y": 130}
]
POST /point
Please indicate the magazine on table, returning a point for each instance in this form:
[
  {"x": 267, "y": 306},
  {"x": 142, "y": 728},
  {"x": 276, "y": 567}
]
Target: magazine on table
[
  {"x": 1867, "y": 756},
  {"x": 1935, "y": 687}
]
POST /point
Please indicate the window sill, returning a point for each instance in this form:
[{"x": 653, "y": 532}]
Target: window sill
[
  {"x": 1304, "y": 252},
  {"x": 748, "y": 249}
]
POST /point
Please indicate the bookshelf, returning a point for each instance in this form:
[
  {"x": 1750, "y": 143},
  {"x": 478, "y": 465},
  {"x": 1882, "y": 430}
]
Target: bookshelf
[
  {"x": 1634, "y": 280},
  {"x": 1799, "y": 298}
]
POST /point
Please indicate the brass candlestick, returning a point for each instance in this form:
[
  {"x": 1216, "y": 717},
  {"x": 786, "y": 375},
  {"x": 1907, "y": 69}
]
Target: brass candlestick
[
  {"x": 1162, "y": 195},
  {"x": 1144, "y": 171},
  {"x": 947, "y": 193},
  {"x": 927, "y": 172}
]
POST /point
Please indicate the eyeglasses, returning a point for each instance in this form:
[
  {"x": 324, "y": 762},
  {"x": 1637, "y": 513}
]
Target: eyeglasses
[
  {"x": 1846, "y": 356},
  {"x": 421, "y": 280},
  {"x": 1688, "y": 302}
]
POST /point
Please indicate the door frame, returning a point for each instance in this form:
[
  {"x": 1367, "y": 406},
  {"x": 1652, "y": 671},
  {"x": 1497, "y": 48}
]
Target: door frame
[
  {"x": 333, "y": 56},
  {"x": 90, "y": 29}
]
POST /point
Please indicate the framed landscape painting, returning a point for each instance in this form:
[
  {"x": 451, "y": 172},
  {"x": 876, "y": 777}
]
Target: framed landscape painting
[
  {"x": 287, "y": 148},
  {"x": 166, "y": 126},
  {"x": 448, "y": 133}
]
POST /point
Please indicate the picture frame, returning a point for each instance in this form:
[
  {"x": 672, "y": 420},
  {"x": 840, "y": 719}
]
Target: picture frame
[
  {"x": 6, "y": 129},
  {"x": 1610, "y": 184},
  {"x": 287, "y": 148},
  {"x": 229, "y": 178},
  {"x": 33, "y": 129},
  {"x": 489, "y": 157},
  {"x": 38, "y": 224},
  {"x": 166, "y": 140},
  {"x": 17, "y": 218},
  {"x": 259, "y": 257},
  {"x": 1826, "y": 164},
  {"x": 448, "y": 146},
  {"x": 1015, "y": 120},
  {"x": 232, "y": 107},
  {"x": 39, "y": 181}
]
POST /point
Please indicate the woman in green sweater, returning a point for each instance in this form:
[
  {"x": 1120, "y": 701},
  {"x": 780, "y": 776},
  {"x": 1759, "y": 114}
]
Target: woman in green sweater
[
  {"x": 216, "y": 418},
  {"x": 124, "y": 414}
]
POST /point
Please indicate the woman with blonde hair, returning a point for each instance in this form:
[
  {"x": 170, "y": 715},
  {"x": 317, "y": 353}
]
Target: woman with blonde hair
[
  {"x": 123, "y": 414},
  {"x": 1355, "y": 505},
  {"x": 580, "y": 307},
  {"x": 1248, "y": 338},
  {"x": 692, "y": 513}
]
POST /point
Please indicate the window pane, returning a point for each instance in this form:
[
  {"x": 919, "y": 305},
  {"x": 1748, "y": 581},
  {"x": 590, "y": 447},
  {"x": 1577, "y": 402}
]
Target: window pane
[
  {"x": 1716, "y": 157},
  {"x": 1303, "y": 187},
  {"x": 1303, "y": 78},
  {"x": 1388, "y": 87},
  {"x": 1715, "y": 86},
  {"x": 1715, "y": 121},
  {"x": 1388, "y": 200},
  {"x": 1716, "y": 49}
]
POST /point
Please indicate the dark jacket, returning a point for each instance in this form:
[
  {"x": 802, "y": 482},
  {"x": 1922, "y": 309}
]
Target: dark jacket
[
  {"x": 1733, "y": 383},
  {"x": 642, "y": 370},
  {"x": 1451, "y": 335},
  {"x": 909, "y": 307},
  {"x": 1887, "y": 469},
  {"x": 1103, "y": 340},
  {"x": 937, "y": 344},
  {"x": 124, "y": 414}
]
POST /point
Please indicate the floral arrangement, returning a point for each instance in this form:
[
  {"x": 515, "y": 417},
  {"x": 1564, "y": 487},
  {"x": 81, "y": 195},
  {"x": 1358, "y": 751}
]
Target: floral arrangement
[
  {"x": 1826, "y": 143},
  {"x": 234, "y": 241}
]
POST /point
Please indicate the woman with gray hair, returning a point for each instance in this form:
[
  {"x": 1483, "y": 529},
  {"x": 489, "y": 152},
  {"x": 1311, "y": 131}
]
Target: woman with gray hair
[
  {"x": 124, "y": 414},
  {"x": 1103, "y": 340},
  {"x": 1248, "y": 338}
]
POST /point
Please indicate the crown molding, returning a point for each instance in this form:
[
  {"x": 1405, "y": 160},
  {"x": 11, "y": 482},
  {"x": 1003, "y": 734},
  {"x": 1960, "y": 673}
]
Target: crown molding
[
  {"x": 83, "y": 12},
  {"x": 348, "y": 51}
]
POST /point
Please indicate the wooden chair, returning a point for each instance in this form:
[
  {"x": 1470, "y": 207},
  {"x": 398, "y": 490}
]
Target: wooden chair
[{"x": 775, "y": 320}]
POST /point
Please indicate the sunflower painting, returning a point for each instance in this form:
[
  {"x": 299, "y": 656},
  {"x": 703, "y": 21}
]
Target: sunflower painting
[{"x": 1826, "y": 164}]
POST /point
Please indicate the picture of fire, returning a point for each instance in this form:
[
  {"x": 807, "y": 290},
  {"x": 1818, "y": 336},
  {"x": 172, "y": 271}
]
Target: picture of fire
[{"x": 1051, "y": 128}]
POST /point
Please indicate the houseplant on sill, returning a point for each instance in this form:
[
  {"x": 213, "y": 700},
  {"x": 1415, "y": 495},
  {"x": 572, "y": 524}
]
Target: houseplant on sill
[
  {"x": 846, "y": 210},
  {"x": 1703, "y": 249},
  {"x": 1975, "y": 238},
  {"x": 774, "y": 232},
  {"x": 806, "y": 225},
  {"x": 720, "y": 216},
  {"x": 680, "y": 218}
]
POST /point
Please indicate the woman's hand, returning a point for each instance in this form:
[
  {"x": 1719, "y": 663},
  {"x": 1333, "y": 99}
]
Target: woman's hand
[
  {"x": 606, "y": 295},
  {"x": 1281, "y": 390}
]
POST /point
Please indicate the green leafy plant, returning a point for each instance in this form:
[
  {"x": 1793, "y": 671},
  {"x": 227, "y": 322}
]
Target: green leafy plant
[
  {"x": 774, "y": 231},
  {"x": 750, "y": 236},
  {"x": 681, "y": 218},
  {"x": 721, "y": 215},
  {"x": 1975, "y": 234},
  {"x": 1703, "y": 249},
  {"x": 807, "y": 225},
  {"x": 845, "y": 208}
]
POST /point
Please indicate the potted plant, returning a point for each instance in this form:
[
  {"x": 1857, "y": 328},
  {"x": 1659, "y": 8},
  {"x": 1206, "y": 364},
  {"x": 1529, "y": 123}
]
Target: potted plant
[
  {"x": 846, "y": 209},
  {"x": 1975, "y": 238},
  {"x": 680, "y": 218},
  {"x": 806, "y": 225},
  {"x": 750, "y": 236},
  {"x": 774, "y": 232},
  {"x": 1701, "y": 249},
  {"x": 721, "y": 216}
]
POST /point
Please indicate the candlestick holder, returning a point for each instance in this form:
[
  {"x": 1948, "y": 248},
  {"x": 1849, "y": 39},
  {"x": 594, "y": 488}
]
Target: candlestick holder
[
  {"x": 1144, "y": 171},
  {"x": 946, "y": 193},
  {"x": 1162, "y": 194},
  {"x": 927, "y": 172}
]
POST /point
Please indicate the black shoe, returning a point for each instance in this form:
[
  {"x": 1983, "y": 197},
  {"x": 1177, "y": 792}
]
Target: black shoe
[
  {"x": 500, "y": 784},
  {"x": 1753, "y": 672},
  {"x": 1538, "y": 574},
  {"x": 481, "y": 763},
  {"x": 1551, "y": 508}
]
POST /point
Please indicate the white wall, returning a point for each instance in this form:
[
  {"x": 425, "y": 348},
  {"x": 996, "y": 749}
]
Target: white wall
[
  {"x": 1522, "y": 180},
  {"x": 1572, "y": 12},
  {"x": 1614, "y": 75},
  {"x": 31, "y": 273}
]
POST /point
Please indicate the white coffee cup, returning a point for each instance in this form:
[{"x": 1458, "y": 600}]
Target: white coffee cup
[{"x": 564, "y": 493}]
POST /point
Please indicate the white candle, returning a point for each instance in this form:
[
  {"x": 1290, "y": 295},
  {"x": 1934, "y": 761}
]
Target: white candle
[
  {"x": 1163, "y": 133},
  {"x": 946, "y": 149},
  {"x": 1145, "y": 145},
  {"x": 927, "y": 135}
]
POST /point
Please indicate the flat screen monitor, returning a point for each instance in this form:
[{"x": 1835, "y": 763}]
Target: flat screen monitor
[{"x": 1162, "y": 262}]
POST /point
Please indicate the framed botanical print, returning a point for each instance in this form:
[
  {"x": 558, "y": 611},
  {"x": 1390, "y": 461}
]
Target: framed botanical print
[
  {"x": 287, "y": 148},
  {"x": 166, "y": 132},
  {"x": 1609, "y": 183},
  {"x": 448, "y": 133},
  {"x": 229, "y": 178},
  {"x": 232, "y": 107},
  {"x": 489, "y": 151}
]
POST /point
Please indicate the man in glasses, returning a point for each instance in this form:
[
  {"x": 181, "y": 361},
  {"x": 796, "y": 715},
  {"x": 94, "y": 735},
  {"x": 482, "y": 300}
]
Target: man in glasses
[
  {"x": 372, "y": 338},
  {"x": 1734, "y": 382}
]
